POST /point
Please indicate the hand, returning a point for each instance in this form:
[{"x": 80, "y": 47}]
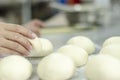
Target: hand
[
  {"x": 35, "y": 26},
  {"x": 13, "y": 39}
]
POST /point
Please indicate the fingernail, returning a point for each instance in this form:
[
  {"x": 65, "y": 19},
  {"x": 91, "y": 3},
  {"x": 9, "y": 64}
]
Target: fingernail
[{"x": 34, "y": 35}]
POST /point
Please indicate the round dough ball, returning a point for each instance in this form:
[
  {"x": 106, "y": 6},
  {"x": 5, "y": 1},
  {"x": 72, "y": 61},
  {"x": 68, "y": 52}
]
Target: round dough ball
[
  {"x": 56, "y": 67},
  {"x": 103, "y": 67},
  {"x": 112, "y": 40},
  {"x": 77, "y": 54},
  {"x": 37, "y": 47},
  {"x": 15, "y": 68},
  {"x": 47, "y": 47},
  {"x": 41, "y": 47},
  {"x": 83, "y": 42},
  {"x": 113, "y": 50}
]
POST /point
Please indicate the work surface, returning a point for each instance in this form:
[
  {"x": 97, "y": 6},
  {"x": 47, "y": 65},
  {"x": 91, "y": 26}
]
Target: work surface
[{"x": 97, "y": 35}]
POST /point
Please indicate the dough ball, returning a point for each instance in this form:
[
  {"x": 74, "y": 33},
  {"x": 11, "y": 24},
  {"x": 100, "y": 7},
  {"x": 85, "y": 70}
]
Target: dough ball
[
  {"x": 15, "y": 68},
  {"x": 41, "y": 47},
  {"x": 77, "y": 54},
  {"x": 47, "y": 47},
  {"x": 37, "y": 47},
  {"x": 56, "y": 67},
  {"x": 83, "y": 42},
  {"x": 113, "y": 50},
  {"x": 112, "y": 40},
  {"x": 103, "y": 67}
]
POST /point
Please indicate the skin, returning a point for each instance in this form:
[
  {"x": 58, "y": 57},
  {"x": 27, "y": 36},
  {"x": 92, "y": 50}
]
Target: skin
[
  {"x": 13, "y": 39},
  {"x": 35, "y": 26}
]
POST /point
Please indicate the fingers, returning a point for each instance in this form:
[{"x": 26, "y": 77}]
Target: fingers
[
  {"x": 14, "y": 46},
  {"x": 21, "y": 30},
  {"x": 35, "y": 26},
  {"x": 5, "y": 52},
  {"x": 35, "y": 29},
  {"x": 13, "y": 39},
  {"x": 23, "y": 41},
  {"x": 39, "y": 23}
]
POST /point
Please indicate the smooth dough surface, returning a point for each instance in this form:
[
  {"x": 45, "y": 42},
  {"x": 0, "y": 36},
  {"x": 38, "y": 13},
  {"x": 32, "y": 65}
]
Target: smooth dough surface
[
  {"x": 15, "y": 68},
  {"x": 112, "y": 40},
  {"x": 47, "y": 47},
  {"x": 103, "y": 67},
  {"x": 37, "y": 47},
  {"x": 113, "y": 50},
  {"x": 77, "y": 54},
  {"x": 56, "y": 67},
  {"x": 83, "y": 42},
  {"x": 41, "y": 47}
]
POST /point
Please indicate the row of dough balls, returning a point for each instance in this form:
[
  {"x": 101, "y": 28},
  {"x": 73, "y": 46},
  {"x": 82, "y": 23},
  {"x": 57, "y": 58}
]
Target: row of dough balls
[
  {"x": 62, "y": 64},
  {"x": 53, "y": 67},
  {"x": 78, "y": 48},
  {"x": 43, "y": 47},
  {"x": 105, "y": 65}
]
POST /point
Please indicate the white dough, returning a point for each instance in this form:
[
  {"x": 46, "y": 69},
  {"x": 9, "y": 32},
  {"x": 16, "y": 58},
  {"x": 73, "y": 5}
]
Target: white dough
[
  {"x": 47, "y": 47},
  {"x": 103, "y": 67},
  {"x": 41, "y": 47},
  {"x": 56, "y": 67},
  {"x": 15, "y": 68},
  {"x": 77, "y": 54},
  {"x": 83, "y": 42},
  {"x": 112, "y": 40},
  {"x": 37, "y": 47},
  {"x": 113, "y": 49}
]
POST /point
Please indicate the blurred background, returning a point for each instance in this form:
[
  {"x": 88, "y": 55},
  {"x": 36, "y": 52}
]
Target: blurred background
[
  {"x": 97, "y": 19},
  {"x": 71, "y": 12},
  {"x": 64, "y": 19}
]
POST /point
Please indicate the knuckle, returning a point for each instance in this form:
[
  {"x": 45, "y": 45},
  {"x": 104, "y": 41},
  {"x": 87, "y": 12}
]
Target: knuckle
[
  {"x": 17, "y": 28},
  {"x": 16, "y": 36},
  {"x": 28, "y": 45},
  {"x": 19, "y": 48},
  {"x": 16, "y": 46},
  {"x": 26, "y": 42}
]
